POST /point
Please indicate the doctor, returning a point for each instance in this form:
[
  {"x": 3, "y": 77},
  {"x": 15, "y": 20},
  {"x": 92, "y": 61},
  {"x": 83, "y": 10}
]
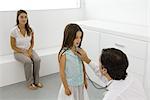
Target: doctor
[{"x": 112, "y": 71}]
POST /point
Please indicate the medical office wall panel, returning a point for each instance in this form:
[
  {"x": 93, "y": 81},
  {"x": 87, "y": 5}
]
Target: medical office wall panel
[
  {"x": 48, "y": 26},
  {"x": 123, "y": 11}
]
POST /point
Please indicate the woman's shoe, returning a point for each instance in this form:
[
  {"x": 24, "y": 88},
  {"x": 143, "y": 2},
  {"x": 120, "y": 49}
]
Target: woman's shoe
[
  {"x": 39, "y": 85},
  {"x": 32, "y": 86}
]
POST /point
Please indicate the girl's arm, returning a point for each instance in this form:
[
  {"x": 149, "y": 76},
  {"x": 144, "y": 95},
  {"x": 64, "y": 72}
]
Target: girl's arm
[
  {"x": 62, "y": 61},
  {"x": 84, "y": 72}
]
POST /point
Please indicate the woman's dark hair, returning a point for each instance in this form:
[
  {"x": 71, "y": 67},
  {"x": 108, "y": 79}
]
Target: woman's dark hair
[
  {"x": 69, "y": 36},
  {"x": 116, "y": 63},
  {"x": 27, "y": 27}
]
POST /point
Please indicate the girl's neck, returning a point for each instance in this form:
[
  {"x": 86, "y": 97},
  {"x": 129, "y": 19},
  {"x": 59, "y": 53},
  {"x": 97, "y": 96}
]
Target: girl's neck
[{"x": 73, "y": 48}]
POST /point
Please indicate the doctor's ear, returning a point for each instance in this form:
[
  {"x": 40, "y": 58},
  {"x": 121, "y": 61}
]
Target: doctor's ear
[{"x": 103, "y": 70}]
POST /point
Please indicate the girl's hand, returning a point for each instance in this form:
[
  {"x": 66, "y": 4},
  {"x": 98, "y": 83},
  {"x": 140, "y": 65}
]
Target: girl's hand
[
  {"x": 85, "y": 84},
  {"x": 67, "y": 91}
]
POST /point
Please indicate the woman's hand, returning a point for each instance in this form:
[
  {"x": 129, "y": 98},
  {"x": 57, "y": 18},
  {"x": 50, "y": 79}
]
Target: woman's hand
[
  {"x": 26, "y": 52},
  {"x": 23, "y": 51},
  {"x": 30, "y": 52},
  {"x": 67, "y": 91}
]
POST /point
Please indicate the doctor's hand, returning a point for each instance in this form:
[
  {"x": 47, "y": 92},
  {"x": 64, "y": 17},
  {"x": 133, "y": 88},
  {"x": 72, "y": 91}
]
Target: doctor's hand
[{"x": 82, "y": 54}]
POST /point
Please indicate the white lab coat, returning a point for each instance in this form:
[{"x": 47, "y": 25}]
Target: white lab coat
[{"x": 128, "y": 89}]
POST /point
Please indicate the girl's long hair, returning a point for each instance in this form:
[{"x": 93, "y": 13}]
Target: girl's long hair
[
  {"x": 27, "y": 26},
  {"x": 69, "y": 36}
]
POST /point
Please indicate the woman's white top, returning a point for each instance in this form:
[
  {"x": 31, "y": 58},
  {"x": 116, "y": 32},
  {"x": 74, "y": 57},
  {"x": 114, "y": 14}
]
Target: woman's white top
[{"x": 23, "y": 42}]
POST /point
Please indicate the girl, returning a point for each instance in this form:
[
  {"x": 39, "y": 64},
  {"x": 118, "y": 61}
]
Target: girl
[
  {"x": 22, "y": 42},
  {"x": 72, "y": 70}
]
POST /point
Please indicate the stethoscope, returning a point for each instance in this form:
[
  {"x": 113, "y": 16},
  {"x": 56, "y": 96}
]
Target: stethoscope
[{"x": 97, "y": 86}]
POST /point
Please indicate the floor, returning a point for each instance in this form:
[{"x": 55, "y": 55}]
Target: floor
[{"x": 48, "y": 92}]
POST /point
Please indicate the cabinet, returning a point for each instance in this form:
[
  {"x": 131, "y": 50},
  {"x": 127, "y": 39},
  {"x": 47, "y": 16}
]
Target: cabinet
[
  {"x": 148, "y": 67},
  {"x": 147, "y": 80},
  {"x": 136, "y": 51},
  {"x": 131, "y": 39},
  {"x": 91, "y": 44}
]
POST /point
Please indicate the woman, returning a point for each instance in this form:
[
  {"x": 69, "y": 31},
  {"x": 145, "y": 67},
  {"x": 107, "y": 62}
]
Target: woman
[{"x": 22, "y": 42}]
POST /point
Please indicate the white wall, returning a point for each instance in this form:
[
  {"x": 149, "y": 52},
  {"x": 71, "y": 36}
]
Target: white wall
[
  {"x": 48, "y": 26},
  {"x": 126, "y": 11},
  {"x": 148, "y": 16},
  {"x": 148, "y": 61},
  {"x": 148, "y": 12}
]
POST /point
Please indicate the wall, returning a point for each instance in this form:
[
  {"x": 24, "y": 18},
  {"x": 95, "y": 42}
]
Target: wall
[
  {"x": 48, "y": 26},
  {"x": 148, "y": 12},
  {"x": 124, "y": 11}
]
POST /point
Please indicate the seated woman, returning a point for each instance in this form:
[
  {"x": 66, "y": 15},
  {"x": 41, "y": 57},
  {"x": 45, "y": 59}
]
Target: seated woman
[{"x": 22, "y": 42}]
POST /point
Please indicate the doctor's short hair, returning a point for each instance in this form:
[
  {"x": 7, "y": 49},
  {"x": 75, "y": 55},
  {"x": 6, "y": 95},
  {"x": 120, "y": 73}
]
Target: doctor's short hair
[{"x": 116, "y": 63}]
